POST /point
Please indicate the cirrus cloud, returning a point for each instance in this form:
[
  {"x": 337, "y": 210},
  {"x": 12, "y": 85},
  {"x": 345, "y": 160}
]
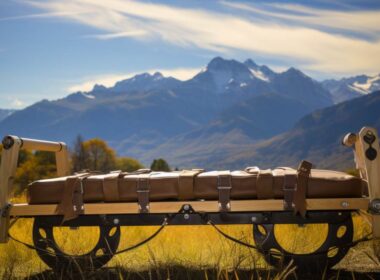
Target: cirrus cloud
[{"x": 308, "y": 37}]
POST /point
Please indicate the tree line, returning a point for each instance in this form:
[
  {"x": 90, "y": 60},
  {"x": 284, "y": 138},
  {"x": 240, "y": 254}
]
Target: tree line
[{"x": 93, "y": 154}]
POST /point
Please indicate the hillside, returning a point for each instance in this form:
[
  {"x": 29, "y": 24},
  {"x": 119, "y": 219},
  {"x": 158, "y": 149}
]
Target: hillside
[
  {"x": 316, "y": 137},
  {"x": 4, "y": 113}
]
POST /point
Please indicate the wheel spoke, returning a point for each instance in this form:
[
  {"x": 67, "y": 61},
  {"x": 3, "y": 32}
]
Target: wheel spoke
[
  {"x": 328, "y": 254},
  {"x": 57, "y": 259}
]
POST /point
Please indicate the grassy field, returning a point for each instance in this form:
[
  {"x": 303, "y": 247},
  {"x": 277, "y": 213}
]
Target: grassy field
[
  {"x": 198, "y": 248},
  {"x": 193, "y": 247}
]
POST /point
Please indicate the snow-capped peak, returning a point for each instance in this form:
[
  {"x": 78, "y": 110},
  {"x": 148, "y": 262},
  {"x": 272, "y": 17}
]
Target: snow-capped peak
[
  {"x": 371, "y": 84},
  {"x": 259, "y": 75},
  {"x": 88, "y": 95}
]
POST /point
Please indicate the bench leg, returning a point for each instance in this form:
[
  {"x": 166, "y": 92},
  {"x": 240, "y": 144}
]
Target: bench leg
[
  {"x": 367, "y": 156},
  {"x": 62, "y": 161},
  {"x": 9, "y": 158}
]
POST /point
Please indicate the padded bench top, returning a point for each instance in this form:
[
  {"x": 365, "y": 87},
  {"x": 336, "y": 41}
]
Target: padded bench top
[{"x": 251, "y": 183}]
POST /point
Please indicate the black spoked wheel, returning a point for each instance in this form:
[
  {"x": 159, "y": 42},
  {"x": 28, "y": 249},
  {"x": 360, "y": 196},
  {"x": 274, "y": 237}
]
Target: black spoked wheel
[
  {"x": 55, "y": 257},
  {"x": 326, "y": 253}
]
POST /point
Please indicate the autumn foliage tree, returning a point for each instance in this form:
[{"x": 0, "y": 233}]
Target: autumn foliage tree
[
  {"x": 128, "y": 164},
  {"x": 99, "y": 156},
  {"x": 32, "y": 166},
  {"x": 78, "y": 155},
  {"x": 95, "y": 154}
]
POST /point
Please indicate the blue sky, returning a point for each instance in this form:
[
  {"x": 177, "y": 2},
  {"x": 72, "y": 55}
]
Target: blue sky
[{"x": 49, "y": 49}]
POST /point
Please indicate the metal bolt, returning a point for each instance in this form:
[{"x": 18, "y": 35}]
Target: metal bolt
[
  {"x": 254, "y": 219},
  {"x": 376, "y": 205},
  {"x": 186, "y": 216},
  {"x": 8, "y": 142},
  {"x": 186, "y": 207},
  {"x": 116, "y": 221},
  {"x": 345, "y": 204}
]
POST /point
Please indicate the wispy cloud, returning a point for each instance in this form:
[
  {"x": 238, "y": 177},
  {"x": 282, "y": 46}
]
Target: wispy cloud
[
  {"x": 133, "y": 33},
  {"x": 41, "y": 15},
  {"x": 109, "y": 80},
  {"x": 363, "y": 21},
  {"x": 310, "y": 41}
]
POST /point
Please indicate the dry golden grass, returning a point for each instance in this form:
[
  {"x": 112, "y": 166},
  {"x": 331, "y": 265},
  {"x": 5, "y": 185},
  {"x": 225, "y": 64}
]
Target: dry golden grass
[{"x": 197, "y": 247}]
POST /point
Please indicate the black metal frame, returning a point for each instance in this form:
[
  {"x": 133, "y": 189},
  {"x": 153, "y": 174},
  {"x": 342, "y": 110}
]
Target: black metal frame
[{"x": 191, "y": 218}]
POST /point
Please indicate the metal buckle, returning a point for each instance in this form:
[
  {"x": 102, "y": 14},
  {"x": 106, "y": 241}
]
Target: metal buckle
[{"x": 224, "y": 188}]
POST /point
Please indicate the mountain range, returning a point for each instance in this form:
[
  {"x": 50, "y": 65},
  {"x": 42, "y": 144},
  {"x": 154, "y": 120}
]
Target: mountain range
[{"x": 216, "y": 119}]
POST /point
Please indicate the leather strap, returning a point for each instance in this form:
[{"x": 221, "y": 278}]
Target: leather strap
[
  {"x": 143, "y": 189},
  {"x": 186, "y": 183},
  {"x": 111, "y": 186},
  {"x": 71, "y": 204},
  {"x": 224, "y": 190},
  {"x": 264, "y": 184},
  {"x": 289, "y": 188},
  {"x": 303, "y": 175}
]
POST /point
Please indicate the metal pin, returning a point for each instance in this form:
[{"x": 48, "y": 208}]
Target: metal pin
[{"x": 345, "y": 204}]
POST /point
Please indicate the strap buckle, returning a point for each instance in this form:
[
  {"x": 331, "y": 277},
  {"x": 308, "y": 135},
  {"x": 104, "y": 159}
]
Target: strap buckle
[
  {"x": 224, "y": 189},
  {"x": 289, "y": 188},
  {"x": 143, "y": 189}
]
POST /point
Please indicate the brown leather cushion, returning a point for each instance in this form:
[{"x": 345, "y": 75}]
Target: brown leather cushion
[{"x": 165, "y": 186}]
